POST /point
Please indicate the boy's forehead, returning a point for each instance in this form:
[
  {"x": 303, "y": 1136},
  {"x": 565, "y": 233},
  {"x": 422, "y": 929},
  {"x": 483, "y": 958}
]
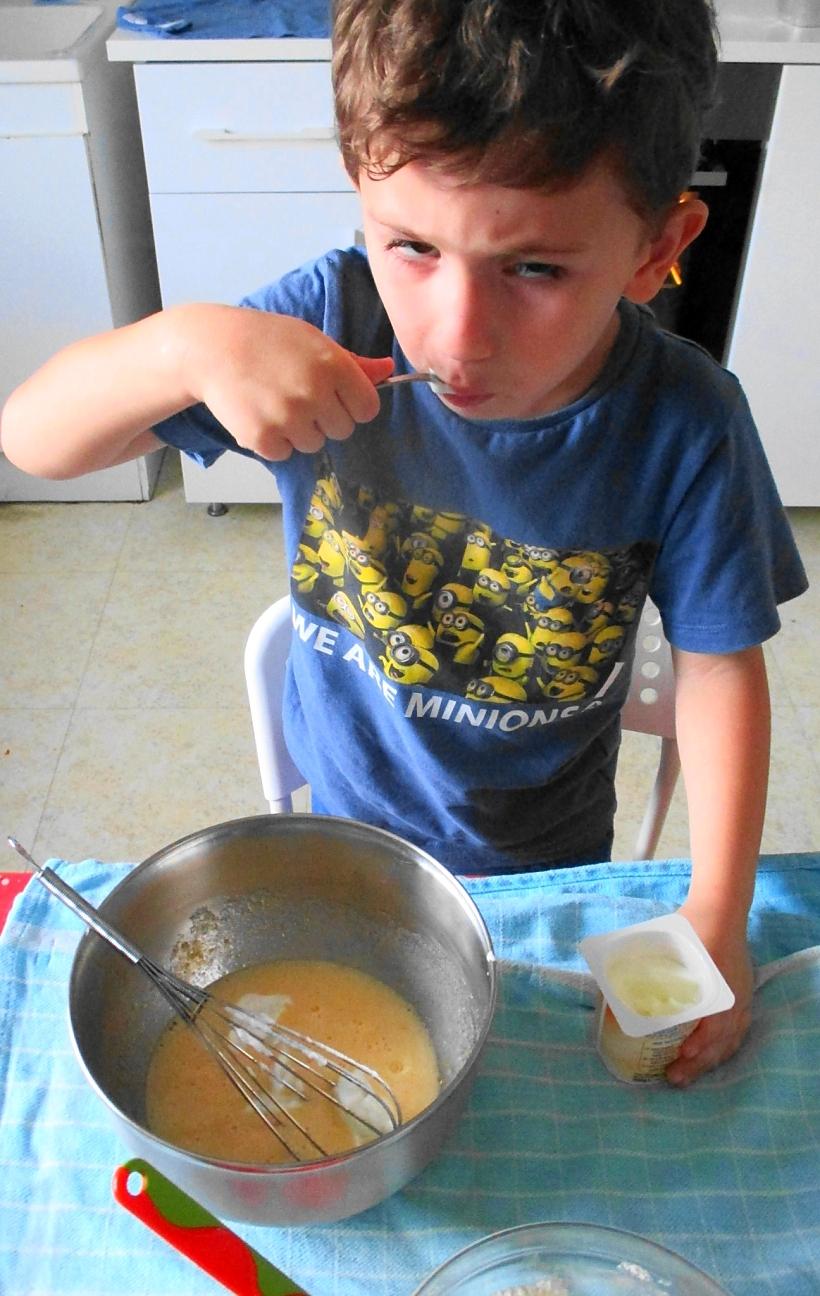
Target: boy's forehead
[{"x": 434, "y": 205}]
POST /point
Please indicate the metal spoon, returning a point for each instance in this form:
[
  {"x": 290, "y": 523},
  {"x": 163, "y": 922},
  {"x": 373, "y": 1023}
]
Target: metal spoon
[{"x": 426, "y": 377}]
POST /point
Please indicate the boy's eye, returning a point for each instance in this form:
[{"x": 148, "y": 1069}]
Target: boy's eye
[
  {"x": 410, "y": 248},
  {"x": 537, "y": 270}
]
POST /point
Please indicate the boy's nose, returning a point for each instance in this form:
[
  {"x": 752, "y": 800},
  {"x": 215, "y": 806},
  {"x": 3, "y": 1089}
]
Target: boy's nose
[{"x": 466, "y": 317}]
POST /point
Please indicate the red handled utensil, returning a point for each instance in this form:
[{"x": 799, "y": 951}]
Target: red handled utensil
[{"x": 197, "y": 1234}]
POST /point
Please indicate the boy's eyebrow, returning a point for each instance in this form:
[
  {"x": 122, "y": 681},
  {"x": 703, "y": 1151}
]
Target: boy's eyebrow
[{"x": 517, "y": 249}]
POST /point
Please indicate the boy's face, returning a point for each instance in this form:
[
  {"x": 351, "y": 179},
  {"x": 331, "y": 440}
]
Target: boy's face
[{"x": 510, "y": 295}]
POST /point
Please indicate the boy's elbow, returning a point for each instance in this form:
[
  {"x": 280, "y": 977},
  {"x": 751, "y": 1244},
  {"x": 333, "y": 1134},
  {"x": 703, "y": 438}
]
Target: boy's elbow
[
  {"x": 21, "y": 448},
  {"x": 12, "y": 443}
]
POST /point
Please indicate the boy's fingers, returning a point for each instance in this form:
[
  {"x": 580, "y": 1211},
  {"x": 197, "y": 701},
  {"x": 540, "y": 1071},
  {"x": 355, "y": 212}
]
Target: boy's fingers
[
  {"x": 376, "y": 368},
  {"x": 710, "y": 1044},
  {"x": 337, "y": 422},
  {"x": 361, "y": 400}
]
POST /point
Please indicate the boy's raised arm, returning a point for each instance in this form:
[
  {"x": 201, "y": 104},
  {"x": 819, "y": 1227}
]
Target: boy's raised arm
[
  {"x": 274, "y": 382},
  {"x": 92, "y": 404}
]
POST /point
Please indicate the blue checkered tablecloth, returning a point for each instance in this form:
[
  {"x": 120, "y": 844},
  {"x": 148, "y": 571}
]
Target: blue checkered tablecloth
[{"x": 726, "y": 1173}]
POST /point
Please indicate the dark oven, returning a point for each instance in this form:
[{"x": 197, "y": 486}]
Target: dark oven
[{"x": 699, "y": 298}]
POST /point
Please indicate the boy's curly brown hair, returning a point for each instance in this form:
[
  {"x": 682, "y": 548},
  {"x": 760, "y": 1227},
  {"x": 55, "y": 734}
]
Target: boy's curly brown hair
[{"x": 526, "y": 93}]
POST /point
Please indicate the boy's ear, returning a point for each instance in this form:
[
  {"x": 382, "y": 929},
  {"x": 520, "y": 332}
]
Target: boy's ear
[{"x": 680, "y": 228}]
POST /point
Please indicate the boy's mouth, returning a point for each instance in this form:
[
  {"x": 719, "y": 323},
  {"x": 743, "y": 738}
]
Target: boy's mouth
[{"x": 465, "y": 399}]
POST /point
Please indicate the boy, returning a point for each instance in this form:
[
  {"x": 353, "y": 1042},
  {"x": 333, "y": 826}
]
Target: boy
[{"x": 469, "y": 564}]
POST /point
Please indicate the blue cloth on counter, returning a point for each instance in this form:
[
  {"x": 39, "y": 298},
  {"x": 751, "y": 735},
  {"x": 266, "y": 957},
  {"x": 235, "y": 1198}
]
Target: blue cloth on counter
[
  {"x": 227, "y": 19},
  {"x": 726, "y": 1173}
]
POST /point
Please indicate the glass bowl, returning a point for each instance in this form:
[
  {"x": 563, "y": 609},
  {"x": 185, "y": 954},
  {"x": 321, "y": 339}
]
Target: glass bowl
[{"x": 567, "y": 1260}]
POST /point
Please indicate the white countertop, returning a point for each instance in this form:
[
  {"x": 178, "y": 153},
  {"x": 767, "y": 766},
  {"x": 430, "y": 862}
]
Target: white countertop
[
  {"x": 51, "y": 43},
  {"x": 750, "y": 30},
  {"x": 132, "y": 47}
]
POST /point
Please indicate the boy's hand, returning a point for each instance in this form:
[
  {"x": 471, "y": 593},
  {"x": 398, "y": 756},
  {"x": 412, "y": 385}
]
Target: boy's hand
[
  {"x": 276, "y": 383},
  {"x": 716, "y": 1038}
]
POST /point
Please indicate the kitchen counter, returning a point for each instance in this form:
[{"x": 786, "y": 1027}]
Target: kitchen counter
[{"x": 750, "y": 29}]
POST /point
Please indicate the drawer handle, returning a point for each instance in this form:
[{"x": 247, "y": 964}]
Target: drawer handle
[
  {"x": 45, "y": 132},
  {"x": 308, "y": 135}
]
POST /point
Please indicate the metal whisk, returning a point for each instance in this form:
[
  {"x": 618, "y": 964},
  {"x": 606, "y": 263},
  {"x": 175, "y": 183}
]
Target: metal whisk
[{"x": 260, "y": 1057}]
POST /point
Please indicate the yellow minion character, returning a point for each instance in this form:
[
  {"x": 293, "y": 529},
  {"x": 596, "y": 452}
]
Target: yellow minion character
[
  {"x": 444, "y": 525},
  {"x": 607, "y": 643},
  {"x": 553, "y": 634},
  {"x": 564, "y": 649},
  {"x": 420, "y": 573},
  {"x": 384, "y": 609},
  {"x": 414, "y": 542},
  {"x": 365, "y": 567},
  {"x": 421, "y": 517},
  {"x": 491, "y": 588},
  {"x": 539, "y": 558},
  {"x": 408, "y": 656},
  {"x": 544, "y": 625},
  {"x": 319, "y": 518},
  {"x": 451, "y": 595},
  {"x": 331, "y": 555},
  {"x": 495, "y": 688},
  {"x": 513, "y": 657},
  {"x": 461, "y": 632},
  {"x": 327, "y": 490},
  {"x": 567, "y": 683},
  {"x": 514, "y": 547},
  {"x": 578, "y": 578},
  {"x": 599, "y": 616},
  {"x": 518, "y": 572},
  {"x": 477, "y": 551},
  {"x": 305, "y": 569},
  {"x": 341, "y": 609},
  {"x": 380, "y": 526}
]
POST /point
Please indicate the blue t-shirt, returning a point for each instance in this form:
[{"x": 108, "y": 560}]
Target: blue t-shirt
[{"x": 466, "y": 594}]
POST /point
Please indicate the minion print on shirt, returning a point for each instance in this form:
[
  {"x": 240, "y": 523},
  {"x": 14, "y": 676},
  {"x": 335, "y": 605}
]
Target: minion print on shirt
[{"x": 441, "y": 600}]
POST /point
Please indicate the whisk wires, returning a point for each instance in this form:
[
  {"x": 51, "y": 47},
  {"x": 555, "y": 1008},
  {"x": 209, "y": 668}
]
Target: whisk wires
[{"x": 266, "y": 1062}]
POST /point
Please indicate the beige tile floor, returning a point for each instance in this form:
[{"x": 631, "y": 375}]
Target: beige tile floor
[{"x": 123, "y": 717}]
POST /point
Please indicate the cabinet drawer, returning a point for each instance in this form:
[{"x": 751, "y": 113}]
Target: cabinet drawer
[
  {"x": 28, "y": 111},
  {"x": 239, "y": 127},
  {"x": 219, "y": 247}
]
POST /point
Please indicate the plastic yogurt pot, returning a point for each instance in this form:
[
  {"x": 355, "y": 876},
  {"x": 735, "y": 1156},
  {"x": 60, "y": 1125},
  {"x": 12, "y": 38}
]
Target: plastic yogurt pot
[
  {"x": 657, "y": 981},
  {"x": 564, "y": 1259}
]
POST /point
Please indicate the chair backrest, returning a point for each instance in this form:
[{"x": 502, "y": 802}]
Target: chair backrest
[
  {"x": 650, "y": 703},
  {"x": 266, "y": 656}
]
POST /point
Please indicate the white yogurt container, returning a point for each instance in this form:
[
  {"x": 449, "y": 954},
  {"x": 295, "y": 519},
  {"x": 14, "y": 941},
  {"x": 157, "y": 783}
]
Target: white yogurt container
[{"x": 657, "y": 981}]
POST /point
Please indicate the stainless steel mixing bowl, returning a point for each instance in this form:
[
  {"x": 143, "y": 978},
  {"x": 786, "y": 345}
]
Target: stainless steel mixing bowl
[{"x": 286, "y": 886}]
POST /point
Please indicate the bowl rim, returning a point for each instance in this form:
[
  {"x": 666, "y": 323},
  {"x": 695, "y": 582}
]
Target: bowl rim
[
  {"x": 556, "y": 1230},
  {"x": 90, "y": 938}
]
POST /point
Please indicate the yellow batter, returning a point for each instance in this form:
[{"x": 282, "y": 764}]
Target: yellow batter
[{"x": 191, "y": 1103}]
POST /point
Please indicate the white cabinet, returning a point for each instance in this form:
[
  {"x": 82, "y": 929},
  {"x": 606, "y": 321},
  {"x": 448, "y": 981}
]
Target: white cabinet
[
  {"x": 76, "y": 255},
  {"x": 245, "y": 183},
  {"x": 775, "y": 348}
]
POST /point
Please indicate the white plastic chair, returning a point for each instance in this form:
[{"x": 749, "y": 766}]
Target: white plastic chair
[
  {"x": 649, "y": 708},
  {"x": 266, "y": 655}
]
